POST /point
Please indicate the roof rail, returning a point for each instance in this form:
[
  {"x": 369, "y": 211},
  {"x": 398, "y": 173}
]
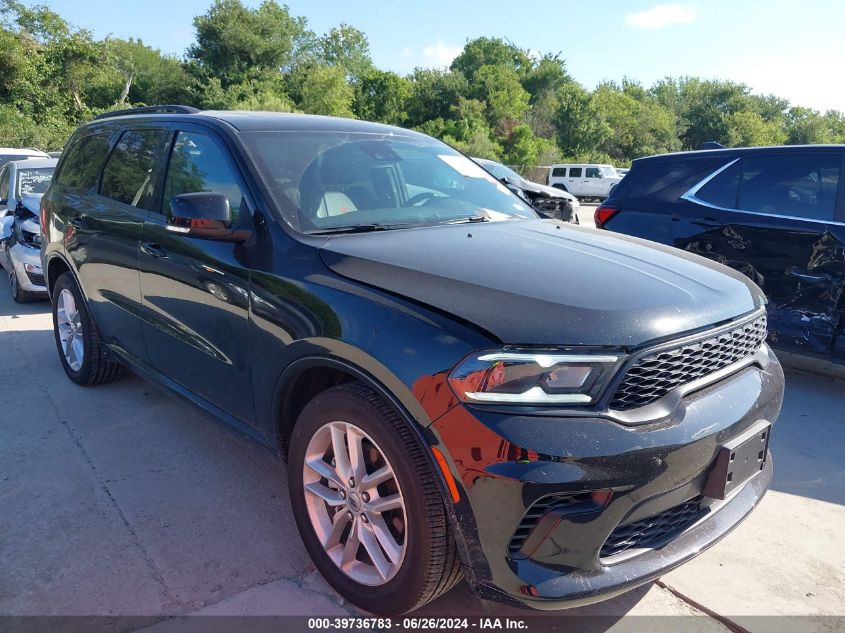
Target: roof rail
[{"x": 157, "y": 109}]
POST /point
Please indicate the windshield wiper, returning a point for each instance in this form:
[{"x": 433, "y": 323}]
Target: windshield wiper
[
  {"x": 470, "y": 220},
  {"x": 354, "y": 228}
]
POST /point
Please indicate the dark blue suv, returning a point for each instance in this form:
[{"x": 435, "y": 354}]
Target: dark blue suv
[
  {"x": 776, "y": 214},
  {"x": 393, "y": 318}
]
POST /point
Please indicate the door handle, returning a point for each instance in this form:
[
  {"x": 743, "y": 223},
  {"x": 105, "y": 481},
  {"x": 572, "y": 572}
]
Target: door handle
[
  {"x": 77, "y": 222},
  {"x": 153, "y": 250}
]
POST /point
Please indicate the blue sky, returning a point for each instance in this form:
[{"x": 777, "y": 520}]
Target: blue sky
[{"x": 793, "y": 49}]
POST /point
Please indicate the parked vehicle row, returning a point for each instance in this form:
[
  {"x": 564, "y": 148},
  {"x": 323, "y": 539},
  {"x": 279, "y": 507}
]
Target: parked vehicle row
[
  {"x": 776, "y": 214},
  {"x": 548, "y": 201},
  {"x": 22, "y": 184},
  {"x": 394, "y": 318}
]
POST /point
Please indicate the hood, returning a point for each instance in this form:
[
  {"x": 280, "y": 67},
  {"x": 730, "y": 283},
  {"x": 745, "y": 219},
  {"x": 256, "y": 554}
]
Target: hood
[
  {"x": 541, "y": 282},
  {"x": 545, "y": 190},
  {"x": 32, "y": 202}
]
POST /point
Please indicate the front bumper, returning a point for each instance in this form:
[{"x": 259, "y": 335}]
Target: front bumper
[
  {"x": 20, "y": 256},
  {"x": 503, "y": 463}
]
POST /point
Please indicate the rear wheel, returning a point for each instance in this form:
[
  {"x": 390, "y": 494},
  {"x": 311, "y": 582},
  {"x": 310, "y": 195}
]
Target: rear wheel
[
  {"x": 367, "y": 503},
  {"x": 85, "y": 359}
]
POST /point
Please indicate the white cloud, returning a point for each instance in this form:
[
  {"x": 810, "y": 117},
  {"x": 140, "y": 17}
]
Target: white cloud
[
  {"x": 440, "y": 54},
  {"x": 660, "y": 16}
]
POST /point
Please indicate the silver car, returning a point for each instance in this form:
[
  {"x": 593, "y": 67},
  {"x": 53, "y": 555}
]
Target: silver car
[{"x": 22, "y": 183}]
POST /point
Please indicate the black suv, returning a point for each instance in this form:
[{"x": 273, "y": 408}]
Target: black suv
[
  {"x": 775, "y": 214},
  {"x": 392, "y": 317}
]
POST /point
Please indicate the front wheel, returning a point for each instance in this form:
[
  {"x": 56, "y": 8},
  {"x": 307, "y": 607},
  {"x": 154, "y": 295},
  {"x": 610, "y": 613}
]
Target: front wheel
[
  {"x": 367, "y": 503},
  {"x": 85, "y": 359},
  {"x": 19, "y": 295}
]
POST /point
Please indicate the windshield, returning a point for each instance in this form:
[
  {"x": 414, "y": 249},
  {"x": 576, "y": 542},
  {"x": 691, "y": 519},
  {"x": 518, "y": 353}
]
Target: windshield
[
  {"x": 607, "y": 171},
  {"x": 328, "y": 181},
  {"x": 34, "y": 180},
  {"x": 500, "y": 171}
]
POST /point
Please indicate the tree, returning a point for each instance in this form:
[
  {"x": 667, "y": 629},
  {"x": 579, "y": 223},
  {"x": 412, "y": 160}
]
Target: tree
[
  {"x": 382, "y": 96},
  {"x": 506, "y": 99},
  {"x": 748, "y": 128},
  {"x": 235, "y": 43},
  {"x": 324, "y": 90},
  {"x": 804, "y": 126},
  {"x": 634, "y": 124},
  {"x": 433, "y": 94},
  {"x": 348, "y": 48},
  {"x": 487, "y": 51}
]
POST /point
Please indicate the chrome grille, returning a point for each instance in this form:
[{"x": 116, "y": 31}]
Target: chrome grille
[{"x": 654, "y": 375}]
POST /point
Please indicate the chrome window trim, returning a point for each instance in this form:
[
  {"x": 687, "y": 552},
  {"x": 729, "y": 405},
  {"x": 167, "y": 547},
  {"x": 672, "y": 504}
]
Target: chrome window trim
[{"x": 691, "y": 196}]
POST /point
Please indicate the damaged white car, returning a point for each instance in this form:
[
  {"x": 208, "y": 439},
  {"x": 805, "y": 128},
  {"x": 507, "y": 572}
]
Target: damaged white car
[{"x": 22, "y": 184}]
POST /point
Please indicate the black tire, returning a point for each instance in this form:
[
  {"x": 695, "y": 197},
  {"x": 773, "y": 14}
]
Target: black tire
[
  {"x": 98, "y": 365},
  {"x": 431, "y": 565},
  {"x": 19, "y": 295}
]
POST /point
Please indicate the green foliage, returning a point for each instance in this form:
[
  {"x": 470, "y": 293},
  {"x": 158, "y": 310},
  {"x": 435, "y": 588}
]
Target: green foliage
[
  {"x": 495, "y": 101},
  {"x": 325, "y": 90}
]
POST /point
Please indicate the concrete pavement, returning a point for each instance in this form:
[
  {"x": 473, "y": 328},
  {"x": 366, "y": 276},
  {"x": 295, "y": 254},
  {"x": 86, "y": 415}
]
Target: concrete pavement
[{"x": 118, "y": 500}]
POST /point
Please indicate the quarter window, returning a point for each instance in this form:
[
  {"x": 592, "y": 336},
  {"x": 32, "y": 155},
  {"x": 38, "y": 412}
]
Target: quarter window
[
  {"x": 574, "y": 172},
  {"x": 198, "y": 164},
  {"x": 559, "y": 172},
  {"x": 801, "y": 185},
  {"x": 129, "y": 173},
  {"x": 722, "y": 189},
  {"x": 593, "y": 172},
  {"x": 82, "y": 162}
]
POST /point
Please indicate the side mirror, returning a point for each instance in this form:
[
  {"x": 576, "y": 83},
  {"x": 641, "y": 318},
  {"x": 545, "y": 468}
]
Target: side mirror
[
  {"x": 6, "y": 227},
  {"x": 205, "y": 215}
]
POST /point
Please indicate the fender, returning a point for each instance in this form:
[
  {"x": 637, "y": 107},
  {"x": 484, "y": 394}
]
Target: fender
[
  {"x": 326, "y": 352},
  {"x": 320, "y": 352},
  {"x": 48, "y": 259}
]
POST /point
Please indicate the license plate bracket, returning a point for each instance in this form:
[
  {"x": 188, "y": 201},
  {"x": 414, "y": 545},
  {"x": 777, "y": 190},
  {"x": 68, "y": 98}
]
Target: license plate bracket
[{"x": 738, "y": 461}]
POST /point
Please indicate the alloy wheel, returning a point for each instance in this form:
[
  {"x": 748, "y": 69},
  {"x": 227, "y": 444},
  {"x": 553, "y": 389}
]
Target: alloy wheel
[
  {"x": 69, "y": 325},
  {"x": 354, "y": 503}
]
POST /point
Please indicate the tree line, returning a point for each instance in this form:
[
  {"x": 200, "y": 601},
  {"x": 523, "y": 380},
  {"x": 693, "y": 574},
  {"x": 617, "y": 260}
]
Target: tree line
[{"x": 496, "y": 100}]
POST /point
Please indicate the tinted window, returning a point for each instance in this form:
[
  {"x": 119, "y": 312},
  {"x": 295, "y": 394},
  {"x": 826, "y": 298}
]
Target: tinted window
[
  {"x": 4, "y": 184},
  {"x": 559, "y": 172},
  {"x": 592, "y": 172},
  {"x": 130, "y": 170},
  {"x": 82, "y": 162},
  {"x": 722, "y": 189},
  {"x": 197, "y": 164},
  {"x": 574, "y": 172},
  {"x": 802, "y": 185},
  {"x": 667, "y": 178}
]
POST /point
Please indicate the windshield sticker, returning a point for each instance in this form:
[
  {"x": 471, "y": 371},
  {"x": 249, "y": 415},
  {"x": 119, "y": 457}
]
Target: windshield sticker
[
  {"x": 465, "y": 167},
  {"x": 35, "y": 180}
]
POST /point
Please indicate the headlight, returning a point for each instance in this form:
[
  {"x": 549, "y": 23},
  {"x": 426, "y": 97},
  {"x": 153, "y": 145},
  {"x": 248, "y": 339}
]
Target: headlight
[
  {"x": 32, "y": 268},
  {"x": 508, "y": 377}
]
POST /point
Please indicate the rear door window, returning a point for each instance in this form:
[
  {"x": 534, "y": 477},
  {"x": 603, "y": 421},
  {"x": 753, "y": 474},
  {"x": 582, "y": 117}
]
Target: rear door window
[
  {"x": 82, "y": 162},
  {"x": 574, "y": 172},
  {"x": 800, "y": 185},
  {"x": 129, "y": 174}
]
